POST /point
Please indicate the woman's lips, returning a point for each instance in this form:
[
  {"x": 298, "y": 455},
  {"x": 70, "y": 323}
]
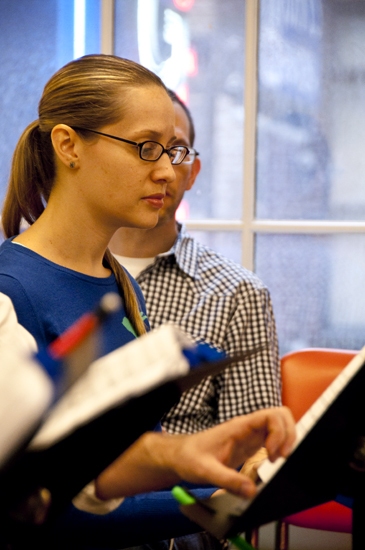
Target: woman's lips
[{"x": 155, "y": 200}]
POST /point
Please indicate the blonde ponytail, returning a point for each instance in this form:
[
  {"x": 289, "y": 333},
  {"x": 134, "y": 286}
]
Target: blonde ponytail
[
  {"x": 131, "y": 305},
  {"x": 30, "y": 180}
]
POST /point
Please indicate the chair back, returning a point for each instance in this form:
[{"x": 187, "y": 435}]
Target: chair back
[{"x": 307, "y": 373}]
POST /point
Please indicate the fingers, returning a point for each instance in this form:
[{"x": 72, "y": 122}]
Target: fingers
[
  {"x": 233, "y": 481},
  {"x": 251, "y": 465},
  {"x": 273, "y": 428},
  {"x": 224, "y": 447},
  {"x": 281, "y": 433}
]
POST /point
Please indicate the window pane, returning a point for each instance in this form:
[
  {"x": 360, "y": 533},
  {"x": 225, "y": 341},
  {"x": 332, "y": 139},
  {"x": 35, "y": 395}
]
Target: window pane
[
  {"x": 36, "y": 38},
  {"x": 317, "y": 286},
  {"x": 197, "y": 47},
  {"x": 311, "y": 121}
]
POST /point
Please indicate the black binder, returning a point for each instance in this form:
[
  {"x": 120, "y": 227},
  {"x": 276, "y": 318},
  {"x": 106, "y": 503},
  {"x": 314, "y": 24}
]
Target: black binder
[
  {"x": 67, "y": 466},
  {"x": 328, "y": 460}
]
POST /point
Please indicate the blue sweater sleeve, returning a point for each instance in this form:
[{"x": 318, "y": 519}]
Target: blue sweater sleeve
[{"x": 138, "y": 520}]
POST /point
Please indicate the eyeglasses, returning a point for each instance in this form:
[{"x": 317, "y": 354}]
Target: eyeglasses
[
  {"x": 151, "y": 150},
  {"x": 191, "y": 156}
]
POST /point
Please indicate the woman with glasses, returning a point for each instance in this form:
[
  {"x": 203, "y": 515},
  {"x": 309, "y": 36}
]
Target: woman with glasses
[{"x": 100, "y": 157}]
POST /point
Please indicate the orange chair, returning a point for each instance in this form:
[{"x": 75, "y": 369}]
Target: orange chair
[{"x": 305, "y": 375}]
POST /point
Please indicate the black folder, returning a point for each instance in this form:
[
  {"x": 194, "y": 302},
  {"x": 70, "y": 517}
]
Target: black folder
[
  {"x": 328, "y": 460},
  {"x": 67, "y": 466}
]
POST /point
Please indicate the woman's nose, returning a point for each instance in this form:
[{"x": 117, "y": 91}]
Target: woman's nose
[{"x": 163, "y": 169}]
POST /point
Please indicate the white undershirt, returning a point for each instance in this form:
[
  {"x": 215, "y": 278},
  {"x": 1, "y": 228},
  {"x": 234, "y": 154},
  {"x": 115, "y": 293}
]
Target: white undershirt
[{"x": 135, "y": 266}]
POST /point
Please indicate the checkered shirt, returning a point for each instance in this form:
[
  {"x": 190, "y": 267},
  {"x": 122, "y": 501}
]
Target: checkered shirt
[{"x": 219, "y": 302}]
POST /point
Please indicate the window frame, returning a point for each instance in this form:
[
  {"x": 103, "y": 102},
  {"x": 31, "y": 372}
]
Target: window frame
[{"x": 249, "y": 226}]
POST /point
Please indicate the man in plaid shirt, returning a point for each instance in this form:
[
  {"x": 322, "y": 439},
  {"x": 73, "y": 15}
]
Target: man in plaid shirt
[{"x": 210, "y": 297}]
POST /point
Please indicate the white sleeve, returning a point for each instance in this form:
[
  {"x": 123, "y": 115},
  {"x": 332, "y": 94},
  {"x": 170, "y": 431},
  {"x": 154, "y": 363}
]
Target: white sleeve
[
  {"x": 11, "y": 332},
  {"x": 87, "y": 501},
  {"x": 26, "y": 390}
]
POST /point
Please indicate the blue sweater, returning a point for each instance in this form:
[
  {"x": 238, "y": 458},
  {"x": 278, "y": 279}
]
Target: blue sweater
[{"x": 48, "y": 298}]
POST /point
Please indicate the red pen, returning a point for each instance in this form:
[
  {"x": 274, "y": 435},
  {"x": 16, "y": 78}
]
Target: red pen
[{"x": 69, "y": 340}]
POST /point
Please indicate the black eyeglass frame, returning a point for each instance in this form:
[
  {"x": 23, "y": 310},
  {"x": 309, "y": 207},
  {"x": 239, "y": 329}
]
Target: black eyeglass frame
[
  {"x": 141, "y": 144},
  {"x": 192, "y": 152}
]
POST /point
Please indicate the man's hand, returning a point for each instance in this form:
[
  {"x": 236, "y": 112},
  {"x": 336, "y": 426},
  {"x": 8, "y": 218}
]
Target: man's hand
[
  {"x": 159, "y": 460},
  {"x": 211, "y": 456}
]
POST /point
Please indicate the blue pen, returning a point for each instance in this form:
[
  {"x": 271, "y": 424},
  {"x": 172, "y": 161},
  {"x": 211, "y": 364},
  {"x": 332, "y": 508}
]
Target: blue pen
[{"x": 184, "y": 498}]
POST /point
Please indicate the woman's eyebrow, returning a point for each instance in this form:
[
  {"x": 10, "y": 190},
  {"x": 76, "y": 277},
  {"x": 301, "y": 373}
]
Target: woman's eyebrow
[
  {"x": 173, "y": 139},
  {"x": 153, "y": 134},
  {"x": 180, "y": 141}
]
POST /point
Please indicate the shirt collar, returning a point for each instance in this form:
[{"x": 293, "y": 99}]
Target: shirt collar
[{"x": 185, "y": 250}]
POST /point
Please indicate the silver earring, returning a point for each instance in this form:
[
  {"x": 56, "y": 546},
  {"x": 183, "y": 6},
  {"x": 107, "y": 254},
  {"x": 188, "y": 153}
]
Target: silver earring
[{"x": 72, "y": 165}]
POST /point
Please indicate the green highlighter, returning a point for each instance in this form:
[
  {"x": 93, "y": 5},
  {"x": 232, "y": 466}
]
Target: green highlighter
[{"x": 185, "y": 498}]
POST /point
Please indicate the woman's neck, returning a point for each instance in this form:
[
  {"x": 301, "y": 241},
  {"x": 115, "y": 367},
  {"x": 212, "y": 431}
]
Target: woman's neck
[{"x": 80, "y": 247}]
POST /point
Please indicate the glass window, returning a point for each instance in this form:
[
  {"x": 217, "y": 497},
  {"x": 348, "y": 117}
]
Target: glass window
[
  {"x": 310, "y": 166},
  {"x": 317, "y": 287},
  {"x": 197, "y": 48},
  {"x": 311, "y": 119}
]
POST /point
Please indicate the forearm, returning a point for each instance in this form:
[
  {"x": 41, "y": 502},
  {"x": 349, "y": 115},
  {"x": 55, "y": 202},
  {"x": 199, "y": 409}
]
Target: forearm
[
  {"x": 159, "y": 460},
  {"x": 144, "y": 467}
]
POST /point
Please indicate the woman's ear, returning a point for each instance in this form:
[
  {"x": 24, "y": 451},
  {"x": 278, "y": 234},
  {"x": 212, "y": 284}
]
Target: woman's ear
[{"x": 64, "y": 140}]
